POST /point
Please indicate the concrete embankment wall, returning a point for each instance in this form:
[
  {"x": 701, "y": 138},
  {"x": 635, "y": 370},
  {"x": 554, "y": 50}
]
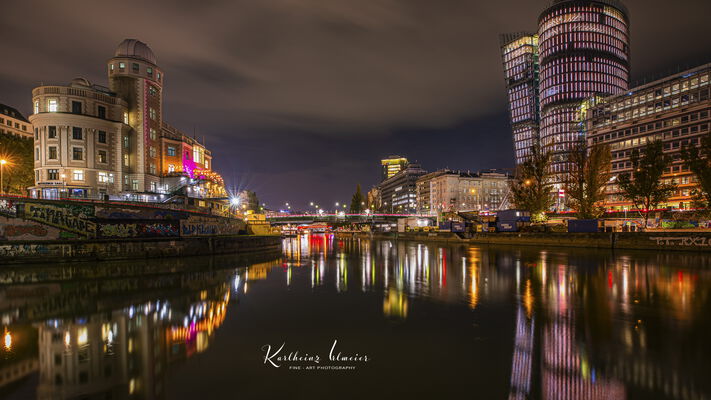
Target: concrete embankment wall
[
  {"x": 664, "y": 241},
  {"x": 95, "y": 250}
]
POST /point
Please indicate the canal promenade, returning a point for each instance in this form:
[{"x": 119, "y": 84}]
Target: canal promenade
[
  {"x": 33, "y": 230},
  {"x": 651, "y": 240}
]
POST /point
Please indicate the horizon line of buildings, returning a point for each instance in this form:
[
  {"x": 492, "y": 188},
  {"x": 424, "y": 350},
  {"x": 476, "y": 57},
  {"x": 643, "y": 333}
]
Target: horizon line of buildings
[{"x": 406, "y": 187}]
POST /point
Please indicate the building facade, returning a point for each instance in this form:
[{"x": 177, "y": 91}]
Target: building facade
[
  {"x": 675, "y": 110},
  {"x": 520, "y": 56},
  {"x": 424, "y": 205},
  {"x": 12, "y": 122},
  {"x": 93, "y": 141},
  {"x": 391, "y": 166},
  {"x": 398, "y": 193},
  {"x": 580, "y": 51},
  {"x": 468, "y": 191},
  {"x": 584, "y": 52}
]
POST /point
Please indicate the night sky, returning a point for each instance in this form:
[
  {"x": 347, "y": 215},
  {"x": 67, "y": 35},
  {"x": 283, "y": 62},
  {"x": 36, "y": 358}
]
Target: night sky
[{"x": 299, "y": 99}]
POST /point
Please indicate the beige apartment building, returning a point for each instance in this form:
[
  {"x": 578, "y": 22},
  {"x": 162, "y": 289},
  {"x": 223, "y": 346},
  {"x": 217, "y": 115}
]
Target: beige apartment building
[
  {"x": 12, "y": 122},
  {"x": 465, "y": 191}
]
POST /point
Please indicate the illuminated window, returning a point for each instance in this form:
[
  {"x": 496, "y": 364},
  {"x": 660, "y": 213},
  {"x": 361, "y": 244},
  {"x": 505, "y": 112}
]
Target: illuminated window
[
  {"x": 52, "y": 174},
  {"x": 153, "y": 134},
  {"x": 171, "y": 151},
  {"x": 52, "y": 105},
  {"x": 149, "y": 71},
  {"x": 102, "y": 156},
  {"x": 125, "y": 160},
  {"x": 103, "y": 177},
  {"x": 171, "y": 168},
  {"x": 134, "y": 184},
  {"x": 78, "y": 175},
  {"x": 36, "y": 107},
  {"x": 122, "y": 65},
  {"x": 152, "y": 151},
  {"x": 152, "y": 168},
  {"x": 125, "y": 118},
  {"x": 152, "y": 114}
]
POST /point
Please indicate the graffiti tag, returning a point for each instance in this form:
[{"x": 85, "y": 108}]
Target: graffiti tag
[
  {"x": 698, "y": 241},
  {"x": 71, "y": 218}
]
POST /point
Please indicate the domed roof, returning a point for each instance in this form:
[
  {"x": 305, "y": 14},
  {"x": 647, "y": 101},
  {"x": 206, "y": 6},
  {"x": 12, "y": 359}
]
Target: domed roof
[{"x": 134, "y": 48}]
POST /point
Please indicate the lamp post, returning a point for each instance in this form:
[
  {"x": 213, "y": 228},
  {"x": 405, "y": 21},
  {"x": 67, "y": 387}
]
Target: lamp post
[{"x": 2, "y": 168}]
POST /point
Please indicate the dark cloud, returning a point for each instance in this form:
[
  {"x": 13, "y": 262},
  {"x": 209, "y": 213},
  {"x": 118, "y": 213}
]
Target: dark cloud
[{"x": 300, "y": 98}]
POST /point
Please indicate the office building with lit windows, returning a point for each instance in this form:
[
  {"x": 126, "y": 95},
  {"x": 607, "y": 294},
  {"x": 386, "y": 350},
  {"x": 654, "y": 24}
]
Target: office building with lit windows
[
  {"x": 93, "y": 141},
  {"x": 398, "y": 194},
  {"x": 675, "y": 110},
  {"x": 580, "y": 51},
  {"x": 583, "y": 53},
  {"x": 520, "y": 56},
  {"x": 392, "y": 165}
]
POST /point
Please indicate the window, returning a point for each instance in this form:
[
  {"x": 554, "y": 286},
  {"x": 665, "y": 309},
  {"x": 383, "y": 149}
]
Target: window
[
  {"x": 52, "y": 153},
  {"x": 52, "y": 174},
  {"x": 158, "y": 75},
  {"x": 36, "y": 108},
  {"x": 111, "y": 178},
  {"x": 76, "y": 133},
  {"x": 125, "y": 160},
  {"x": 37, "y": 154},
  {"x": 102, "y": 156},
  {"x": 103, "y": 177},
  {"x": 171, "y": 168},
  {"x": 77, "y": 153},
  {"x": 102, "y": 137},
  {"x": 152, "y": 113},
  {"x": 78, "y": 175},
  {"x": 76, "y": 107},
  {"x": 125, "y": 118},
  {"x": 36, "y": 134},
  {"x": 149, "y": 71},
  {"x": 135, "y": 67},
  {"x": 24, "y": 127},
  {"x": 153, "y": 134},
  {"x": 111, "y": 67},
  {"x": 134, "y": 184},
  {"x": 51, "y": 132},
  {"x": 52, "y": 105},
  {"x": 171, "y": 151},
  {"x": 126, "y": 141},
  {"x": 153, "y": 186},
  {"x": 152, "y": 151},
  {"x": 122, "y": 65},
  {"x": 101, "y": 112},
  {"x": 207, "y": 164},
  {"x": 152, "y": 90},
  {"x": 152, "y": 168}
]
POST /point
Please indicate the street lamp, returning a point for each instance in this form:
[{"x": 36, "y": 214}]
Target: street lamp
[{"x": 2, "y": 167}]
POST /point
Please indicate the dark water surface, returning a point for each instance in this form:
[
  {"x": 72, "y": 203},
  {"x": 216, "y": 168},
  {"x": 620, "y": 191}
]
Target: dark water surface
[{"x": 359, "y": 319}]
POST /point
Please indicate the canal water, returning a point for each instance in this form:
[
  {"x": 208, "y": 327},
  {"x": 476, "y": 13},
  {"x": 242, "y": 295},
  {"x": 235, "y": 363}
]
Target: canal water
[{"x": 361, "y": 319}]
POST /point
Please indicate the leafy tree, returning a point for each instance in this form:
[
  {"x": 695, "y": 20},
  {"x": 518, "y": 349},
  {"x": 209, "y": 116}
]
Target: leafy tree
[
  {"x": 531, "y": 188},
  {"x": 357, "y": 201},
  {"x": 587, "y": 179},
  {"x": 698, "y": 160},
  {"x": 18, "y": 173},
  {"x": 643, "y": 186}
]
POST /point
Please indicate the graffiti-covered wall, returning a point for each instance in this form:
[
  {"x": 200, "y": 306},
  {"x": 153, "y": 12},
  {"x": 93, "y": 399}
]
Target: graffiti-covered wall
[{"x": 31, "y": 220}]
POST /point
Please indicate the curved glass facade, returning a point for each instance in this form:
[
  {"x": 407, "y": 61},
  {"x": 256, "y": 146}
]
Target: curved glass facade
[{"x": 583, "y": 52}]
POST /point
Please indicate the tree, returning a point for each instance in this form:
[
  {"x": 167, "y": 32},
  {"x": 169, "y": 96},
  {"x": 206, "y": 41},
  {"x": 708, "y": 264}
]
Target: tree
[
  {"x": 643, "y": 186},
  {"x": 698, "y": 160},
  {"x": 18, "y": 172},
  {"x": 531, "y": 188},
  {"x": 357, "y": 201},
  {"x": 587, "y": 179}
]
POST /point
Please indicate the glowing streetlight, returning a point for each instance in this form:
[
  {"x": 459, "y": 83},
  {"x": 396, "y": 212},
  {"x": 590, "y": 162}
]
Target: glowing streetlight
[
  {"x": 234, "y": 201},
  {"x": 2, "y": 167},
  {"x": 7, "y": 338}
]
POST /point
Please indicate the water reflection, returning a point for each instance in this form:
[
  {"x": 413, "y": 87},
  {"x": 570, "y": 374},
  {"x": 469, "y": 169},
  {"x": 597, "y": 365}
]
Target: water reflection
[{"x": 550, "y": 324}]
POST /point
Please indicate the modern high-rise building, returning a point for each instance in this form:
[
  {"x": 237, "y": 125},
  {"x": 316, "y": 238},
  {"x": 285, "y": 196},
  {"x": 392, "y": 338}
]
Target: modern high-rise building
[
  {"x": 399, "y": 192},
  {"x": 581, "y": 51},
  {"x": 520, "y": 57},
  {"x": 94, "y": 141},
  {"x": 675, "y": 110},
  {"x": 392, "y": 165}
]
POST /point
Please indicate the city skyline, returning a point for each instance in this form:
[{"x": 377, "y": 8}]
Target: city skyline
[{"x": 311, "y": 128}]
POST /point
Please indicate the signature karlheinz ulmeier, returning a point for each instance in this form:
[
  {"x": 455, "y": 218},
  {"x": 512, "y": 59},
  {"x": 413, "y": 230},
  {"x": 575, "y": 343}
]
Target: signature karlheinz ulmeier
[{"x": 277, "y": 356}]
